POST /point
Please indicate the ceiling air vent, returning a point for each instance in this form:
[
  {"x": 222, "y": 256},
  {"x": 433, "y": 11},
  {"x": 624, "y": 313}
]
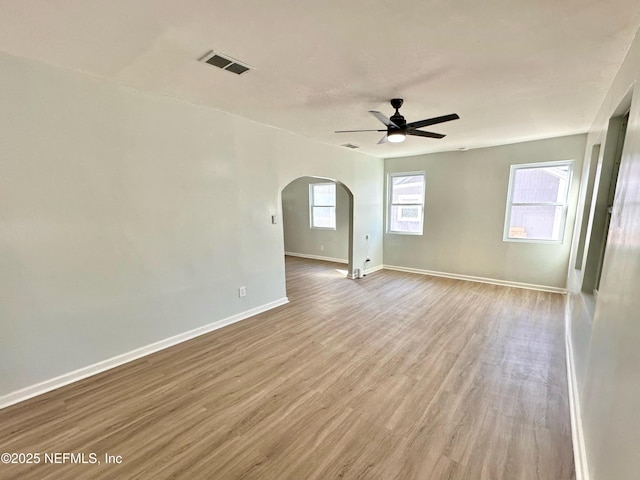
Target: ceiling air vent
[
  {"x": 350, "y": 145},
  {"x": 225, "y": 62}
]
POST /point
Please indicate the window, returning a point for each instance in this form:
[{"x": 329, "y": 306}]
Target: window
[
  {"x": 537, "y": 202},
  {"x": 406, "y": 203},
  {"x": 322, "y": 205}
]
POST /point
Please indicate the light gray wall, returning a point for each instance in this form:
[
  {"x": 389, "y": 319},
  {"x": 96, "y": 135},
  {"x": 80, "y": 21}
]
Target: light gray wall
[
  {"x": 299, "y": 237},
  {"x": 605, "y": 343},
  {"x": 127, "y": 218},
  {"x": 465, "y": 203}
]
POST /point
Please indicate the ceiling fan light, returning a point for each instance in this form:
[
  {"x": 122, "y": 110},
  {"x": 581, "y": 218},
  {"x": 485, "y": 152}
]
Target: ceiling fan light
[{"x": 396, "y": 137}]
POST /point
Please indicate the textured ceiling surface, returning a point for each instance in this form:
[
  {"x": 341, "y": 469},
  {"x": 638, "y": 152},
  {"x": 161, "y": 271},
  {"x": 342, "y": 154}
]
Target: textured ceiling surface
[{"x": 512, "y": 69}]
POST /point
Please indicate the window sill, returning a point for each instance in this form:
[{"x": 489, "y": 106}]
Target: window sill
[
  {"x": 526, "y": 240},
  {"x": 405, "y": 233}
]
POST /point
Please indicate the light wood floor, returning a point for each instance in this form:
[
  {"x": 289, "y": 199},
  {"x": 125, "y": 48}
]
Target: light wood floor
[{"x": 395, "y": 376}]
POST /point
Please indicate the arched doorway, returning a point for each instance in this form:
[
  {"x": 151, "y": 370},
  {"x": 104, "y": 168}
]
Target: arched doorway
[{"x": 310, "y": 229}]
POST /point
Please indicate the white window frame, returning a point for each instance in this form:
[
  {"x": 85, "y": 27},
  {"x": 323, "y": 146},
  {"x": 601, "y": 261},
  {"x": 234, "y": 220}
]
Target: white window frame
[
  {"x": 564, "y": 204},
  {"x": 390, "y": 203},
  {"x": 313, "y": 204}
]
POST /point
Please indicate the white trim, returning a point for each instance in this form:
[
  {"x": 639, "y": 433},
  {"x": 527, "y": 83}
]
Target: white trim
[
  {"x": 312, "y": 204},
  {"x": 89, "y": 370},
  {"x": 368, "y": 271},
  {"x": 390, "y": 203},
  {"x": 317, "y": 257},
  {"x": 511, "y": 204},
  {"x": 470, "y": 278},
  {"x": 577, "y": 435}
]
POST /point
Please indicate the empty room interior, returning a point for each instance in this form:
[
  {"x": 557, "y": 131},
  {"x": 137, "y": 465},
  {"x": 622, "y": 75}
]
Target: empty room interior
[{"x": 320, "y": 240}]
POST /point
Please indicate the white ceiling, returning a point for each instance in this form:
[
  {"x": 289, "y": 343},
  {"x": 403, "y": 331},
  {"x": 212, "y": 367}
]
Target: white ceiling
[{"x": 512, "y": 69}]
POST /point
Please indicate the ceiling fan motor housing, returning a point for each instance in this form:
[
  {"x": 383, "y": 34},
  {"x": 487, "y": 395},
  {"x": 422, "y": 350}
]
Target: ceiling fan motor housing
[
  {"x": 398, "y": 120},
  {"x": 396, "y": 117}
]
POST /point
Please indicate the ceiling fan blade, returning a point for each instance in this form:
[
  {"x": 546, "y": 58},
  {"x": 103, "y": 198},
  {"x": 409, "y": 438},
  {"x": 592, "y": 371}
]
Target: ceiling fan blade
[
  {"x": 382, "y": 118},
  {"x": 350, "y": 131},
  {"x": 420, "y": 133},
  {"x": 433, "y": 121},
  {"x": 383, "y": 140}
]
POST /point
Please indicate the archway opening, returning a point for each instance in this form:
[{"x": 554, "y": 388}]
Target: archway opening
[{"x": 317, "y": 221}]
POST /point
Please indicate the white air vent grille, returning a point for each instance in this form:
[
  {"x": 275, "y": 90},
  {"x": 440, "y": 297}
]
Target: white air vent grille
[{"x": 225, "y": 62}]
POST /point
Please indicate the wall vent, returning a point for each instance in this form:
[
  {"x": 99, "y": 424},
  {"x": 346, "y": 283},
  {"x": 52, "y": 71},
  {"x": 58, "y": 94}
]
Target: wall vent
[
  {"x": 225, "y": 62},
  {"x": 350, "y": 145}
]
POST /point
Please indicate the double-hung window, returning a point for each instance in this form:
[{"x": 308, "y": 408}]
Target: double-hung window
[
  {"x": 322, "y": 205},
  {"x": 405, "y": 203},
  {"x": 537, "y": 202}
]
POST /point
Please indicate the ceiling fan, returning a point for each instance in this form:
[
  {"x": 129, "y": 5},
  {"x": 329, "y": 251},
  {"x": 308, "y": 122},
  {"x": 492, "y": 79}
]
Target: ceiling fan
[{"x": 398, "y": 128}]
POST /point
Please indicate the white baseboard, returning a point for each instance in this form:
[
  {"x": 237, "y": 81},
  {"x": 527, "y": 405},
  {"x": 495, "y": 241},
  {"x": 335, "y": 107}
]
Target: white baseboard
[
  {"x": 373, "y": 269},
  {"x": 470, "y": 278},
  {"x": 317, "y": 257},
  {"x": 577, "y": 435},
  {"x": 365, "y": 272},
  {"x": 334, "y": 260},
  {"x": 84, "y": 372}
]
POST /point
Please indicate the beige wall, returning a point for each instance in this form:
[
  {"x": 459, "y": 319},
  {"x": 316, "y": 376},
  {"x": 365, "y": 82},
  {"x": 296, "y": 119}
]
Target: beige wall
[
  {"x": 465, "y": 202},
  {"x": 127, "y": 218},
  {"x": 605, "y": 338},
  {"x": 299, "y": 237}
]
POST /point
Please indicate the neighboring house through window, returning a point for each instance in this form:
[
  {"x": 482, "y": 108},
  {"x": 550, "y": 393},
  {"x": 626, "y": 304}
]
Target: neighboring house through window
[
  {"x": 537, "y": 202},
  {"x": 405, "y": 212},
  {"x": 322, "y": 205}
]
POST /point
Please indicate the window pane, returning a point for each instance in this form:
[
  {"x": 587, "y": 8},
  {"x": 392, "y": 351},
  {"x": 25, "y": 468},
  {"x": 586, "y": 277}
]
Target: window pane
[
  {"x": 541, "y": 185},
  {"x": 409, "y": 213},
  {"x": 405, "y": 219},
  {"x": 407, "y": 189},
  {"x": 535, "y": 222},
  {"x": 324, "y": 194},
  {"x": 324, "y": 217}
]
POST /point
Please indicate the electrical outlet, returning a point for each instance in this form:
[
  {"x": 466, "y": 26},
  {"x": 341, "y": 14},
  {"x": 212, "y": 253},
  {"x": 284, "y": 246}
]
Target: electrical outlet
[
  {"x": 242, "y": 292},
  {"x": 322, "y": 248}
]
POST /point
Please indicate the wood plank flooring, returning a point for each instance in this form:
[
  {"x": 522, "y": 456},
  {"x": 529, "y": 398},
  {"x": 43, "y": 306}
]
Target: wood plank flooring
[{"x": 394, "y": 376}]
